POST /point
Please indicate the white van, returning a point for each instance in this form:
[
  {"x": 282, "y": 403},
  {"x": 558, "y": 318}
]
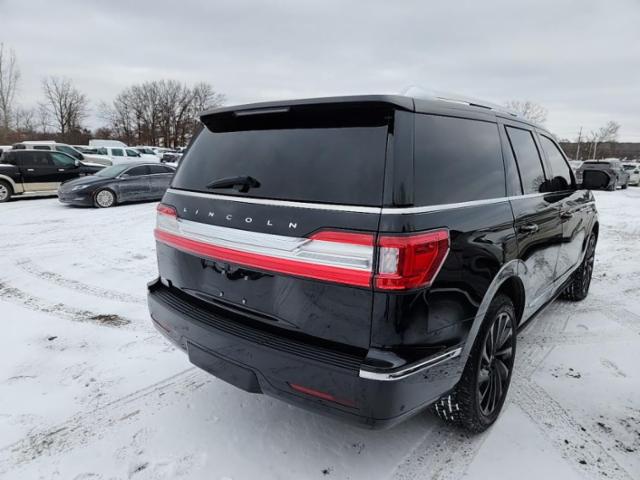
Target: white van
[{"x": 64, "y": 148}]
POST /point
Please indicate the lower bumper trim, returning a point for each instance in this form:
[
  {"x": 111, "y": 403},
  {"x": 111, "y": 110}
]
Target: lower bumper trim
[{"x": 411, "y": 369}]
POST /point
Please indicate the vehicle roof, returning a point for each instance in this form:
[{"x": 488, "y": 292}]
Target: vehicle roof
[{"x": 433, "y": 105}]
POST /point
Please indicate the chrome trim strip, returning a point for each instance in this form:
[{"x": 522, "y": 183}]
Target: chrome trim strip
[
  {"x": 411, "y": 369},
  {"x": 277, "y": 203},
  {"x": 353, "y": 208},
  {"x": 313, "y": 252}
]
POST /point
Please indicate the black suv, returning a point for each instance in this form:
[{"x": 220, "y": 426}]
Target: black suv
[
  {"x": 368, "y": 256},
  {"x": 35, "y": 172}
]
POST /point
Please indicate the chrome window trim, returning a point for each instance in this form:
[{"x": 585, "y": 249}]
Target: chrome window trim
[
  {"x": 425, "y": 364},
  {"x": 353, "y": 208}
]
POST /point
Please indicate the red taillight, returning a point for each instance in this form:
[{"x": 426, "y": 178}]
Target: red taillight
[
  {"x": 410, "y": 261},
  {"x": 168, "y": 210}
]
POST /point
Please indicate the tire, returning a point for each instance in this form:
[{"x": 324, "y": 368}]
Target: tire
[
  {"x": 476, "y": 401},
  {"x": 104, "y": 198},
  {"x": 5, "y": 191},
  {"x": 624, "y": 187},
  {"x": 578, "y": 289}
]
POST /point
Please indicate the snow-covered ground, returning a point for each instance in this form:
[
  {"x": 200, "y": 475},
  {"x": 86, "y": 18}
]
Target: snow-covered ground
[{"x": 89, "y": 390}]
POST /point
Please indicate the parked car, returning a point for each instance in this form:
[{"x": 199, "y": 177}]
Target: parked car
[
  {"x": 119, "y": 155},
  {"x": 613, "y": 168},
  {"x": 38, "y": 172},
  {"x": 633, "y": 169},
  {"x": 368, "y": 256},
  {"x": 147, "y": 154},
  {"x": 64, "y": 148},
  {"x": 4, "y": 148},
  {"x": 173, "y": 157},
  {"x": 121, "y": 183},
  {"x": 97, "y": 142}
]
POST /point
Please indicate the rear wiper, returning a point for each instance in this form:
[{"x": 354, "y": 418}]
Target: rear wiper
[{"x": 241, "y": 183}]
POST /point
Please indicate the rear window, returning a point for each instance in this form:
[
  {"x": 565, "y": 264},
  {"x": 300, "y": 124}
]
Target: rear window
[
  {"x": 315, "y": 155},
  {"x": 456, "y": 160}
]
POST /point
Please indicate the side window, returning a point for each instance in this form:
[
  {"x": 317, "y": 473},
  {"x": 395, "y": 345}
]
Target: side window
[
  {"x": 10, "y": 158},
  {"x": 559, "y": 166},
  {"x": 41, "y": 147},
  {"x": 132, "y": 153},
  {"x": 117, "y": 152},
  {"x": 35, "y": 159},
  {"x": 528, "y": 160},
  {"x": 137, "y": 171},
  {"x": 159, "y": 169},
  {"x": 456, "y": 160},
  {"x": 62, "y": 160}
]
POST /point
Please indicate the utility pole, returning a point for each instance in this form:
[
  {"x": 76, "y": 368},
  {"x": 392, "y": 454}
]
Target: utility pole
[{"x": 578, "y": 149}]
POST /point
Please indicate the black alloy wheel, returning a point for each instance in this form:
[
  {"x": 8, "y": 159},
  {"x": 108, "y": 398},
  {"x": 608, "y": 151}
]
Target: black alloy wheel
[{"x": 496, "y": 364}]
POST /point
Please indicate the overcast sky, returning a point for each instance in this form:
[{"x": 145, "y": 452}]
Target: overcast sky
[{"x": 580, "y": 59}]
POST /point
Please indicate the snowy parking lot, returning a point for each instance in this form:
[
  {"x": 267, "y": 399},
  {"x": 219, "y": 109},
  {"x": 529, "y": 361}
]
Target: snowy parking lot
[{"x": 89, "y": 390}]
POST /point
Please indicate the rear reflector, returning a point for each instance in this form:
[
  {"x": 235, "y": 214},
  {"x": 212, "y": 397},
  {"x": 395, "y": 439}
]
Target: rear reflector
[{"x": 321, "y": 395}]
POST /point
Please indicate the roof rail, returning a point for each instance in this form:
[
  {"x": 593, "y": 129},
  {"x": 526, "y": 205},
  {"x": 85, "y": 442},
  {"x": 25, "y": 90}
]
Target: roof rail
[{"x": 430, "y": 94}]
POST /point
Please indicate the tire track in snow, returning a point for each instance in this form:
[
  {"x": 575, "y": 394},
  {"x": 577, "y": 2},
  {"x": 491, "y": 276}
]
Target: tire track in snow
[
  {"x": 32, "y": 269},
  {"x": 61, "y": 310},
  {"x": 445, "y": 455},
  {"x": 82, "y": 427},
  {"x": 574, "y": 442}
]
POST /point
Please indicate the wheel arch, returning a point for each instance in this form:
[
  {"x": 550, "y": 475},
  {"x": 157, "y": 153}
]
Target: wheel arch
[
  {"x": 507, "y": 281},
  {"x": 12, "y": 183}
]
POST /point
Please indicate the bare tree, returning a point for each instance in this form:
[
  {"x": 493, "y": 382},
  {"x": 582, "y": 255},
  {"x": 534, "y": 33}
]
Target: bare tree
[
  {"x": 160, "y": 112},
  {"x": 66, "y": 105},
  {"x": 608, "y": 133},
  {"x": 9, "y": 78},
  {"x": 529, "y": 110}
]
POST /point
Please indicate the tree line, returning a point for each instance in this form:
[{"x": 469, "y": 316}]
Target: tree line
[{"x": 161, "y": 112}]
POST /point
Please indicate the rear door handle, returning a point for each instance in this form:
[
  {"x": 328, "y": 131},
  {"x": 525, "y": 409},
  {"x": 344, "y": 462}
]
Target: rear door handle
[
  {"x": 566, "y": 215},
  {"x": 61, "y": 169},
  {"x": 29, "y": 169},
  {"x": 529, "y": 228}
]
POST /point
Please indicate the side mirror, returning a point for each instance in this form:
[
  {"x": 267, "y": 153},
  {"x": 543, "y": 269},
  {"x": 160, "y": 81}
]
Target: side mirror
[
  {"x": 77, "y": 163},
  {"x": 595, "y": 180},
  {"x": 125, "y": 175}
]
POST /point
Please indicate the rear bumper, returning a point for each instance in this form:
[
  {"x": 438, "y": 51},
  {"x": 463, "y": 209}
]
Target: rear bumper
[{"x": 310, "y": 376}]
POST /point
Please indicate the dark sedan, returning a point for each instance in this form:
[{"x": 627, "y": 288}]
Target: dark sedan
[{"x": 128, "y": 182}]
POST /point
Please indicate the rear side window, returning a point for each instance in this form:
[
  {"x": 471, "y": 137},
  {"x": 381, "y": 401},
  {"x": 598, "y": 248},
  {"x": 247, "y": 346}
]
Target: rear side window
[
  {"x": 315, "y": 155},
  {"x": 117, "y": 152},
  {"x": 528, "y": 159},
  {"x": 159, "y": 169},
  {"x": 138, "y": 171},
  {"x": 559, "y": 166},
  {"x": 456, "y": 160},
  {"x": 41, "y": 147},
  {"x": 35, "y": 159}
]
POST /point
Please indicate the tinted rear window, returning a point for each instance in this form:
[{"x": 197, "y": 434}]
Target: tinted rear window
[
  {"x": 329, "y": 157},
  {"x": 456, "y": 160}
]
